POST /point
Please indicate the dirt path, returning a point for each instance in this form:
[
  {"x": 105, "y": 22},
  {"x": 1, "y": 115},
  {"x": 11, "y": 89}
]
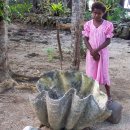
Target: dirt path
[{"x": 29, "y": 55}]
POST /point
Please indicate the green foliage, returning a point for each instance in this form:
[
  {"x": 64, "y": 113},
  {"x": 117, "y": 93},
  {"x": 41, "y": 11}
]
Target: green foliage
[
  {"x": 17, "y": 10},
  {"x": 1, "y": 9},
  {"x": 66, "y": 11},
  {"x": 87, "y": 15},
  {"x": 58, "y": 9},
  {"x": 116, "y": 14},
  {"x": 50, "y": 53},
  {"x": 4, "y": 11},
  {"x": 127, "y": 16},
  {"x": 54, "y": 9},
  {"x": 45, "y": 6}
]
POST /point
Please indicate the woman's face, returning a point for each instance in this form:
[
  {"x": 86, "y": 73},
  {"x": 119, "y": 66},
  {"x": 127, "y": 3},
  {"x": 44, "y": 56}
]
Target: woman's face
[{"x": 97, "y": 14}]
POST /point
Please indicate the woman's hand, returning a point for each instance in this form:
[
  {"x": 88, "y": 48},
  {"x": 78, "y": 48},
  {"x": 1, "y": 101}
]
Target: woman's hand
[
  {"x": 93, "y": 52},
  {"x": 96, "y": 57}
]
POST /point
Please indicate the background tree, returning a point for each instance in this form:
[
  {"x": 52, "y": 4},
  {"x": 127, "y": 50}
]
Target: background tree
[
  {"x": 76, "y": 28},
  {"x": 5, "y": 79},
  {"x": 35, "y": 4},
  {"x": 122, "y": 3},
  {"x": 3, "y": 47}
]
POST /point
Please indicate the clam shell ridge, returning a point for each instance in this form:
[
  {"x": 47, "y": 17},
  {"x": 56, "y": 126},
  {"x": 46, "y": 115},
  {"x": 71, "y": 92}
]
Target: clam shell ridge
[{"x": 70, "y": 100}]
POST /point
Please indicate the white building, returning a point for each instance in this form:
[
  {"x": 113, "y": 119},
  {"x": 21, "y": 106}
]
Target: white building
[{"x": 127, "y": 4}]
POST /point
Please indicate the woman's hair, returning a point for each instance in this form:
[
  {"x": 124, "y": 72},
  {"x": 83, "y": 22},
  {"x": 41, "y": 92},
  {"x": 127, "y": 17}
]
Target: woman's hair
[{"x": 98, "y": 5}]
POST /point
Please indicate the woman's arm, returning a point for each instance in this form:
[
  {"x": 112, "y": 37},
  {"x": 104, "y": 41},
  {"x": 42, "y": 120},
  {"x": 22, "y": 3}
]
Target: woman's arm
[
  {"x": 86, "y": 39},
  {"x": 104, "y": 45}
]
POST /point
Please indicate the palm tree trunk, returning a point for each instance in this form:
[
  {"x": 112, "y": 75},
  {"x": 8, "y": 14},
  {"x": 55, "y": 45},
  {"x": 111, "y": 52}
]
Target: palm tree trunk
[{"x": 78, "y": 7}]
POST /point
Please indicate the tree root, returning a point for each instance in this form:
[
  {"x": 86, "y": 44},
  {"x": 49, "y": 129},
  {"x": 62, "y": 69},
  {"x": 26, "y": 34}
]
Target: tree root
[
  {"x": 26, "y": 86},
  {"x": 7, "y": 84},
  {"x": 13, "y": 79},
  {"x": 23, "y": 78}
]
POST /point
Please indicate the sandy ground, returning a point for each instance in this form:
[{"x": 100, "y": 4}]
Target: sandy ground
[{"x": 28, "y": 51}]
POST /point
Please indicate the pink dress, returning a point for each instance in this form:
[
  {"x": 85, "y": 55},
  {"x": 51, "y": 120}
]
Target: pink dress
[{"x": 98, "y": 70}]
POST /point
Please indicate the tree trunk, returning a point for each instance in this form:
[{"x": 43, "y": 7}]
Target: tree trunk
[
  {"x": 35, "y": 4},
  {"x": 3, "y": 52},
  {"x": 4, "y": 71},
  {"x": 69, "y": 4},
  {"x": 78, "y": 7},
  {"x": 5, "y": 81},
  {"x": 122, "y": 3}
]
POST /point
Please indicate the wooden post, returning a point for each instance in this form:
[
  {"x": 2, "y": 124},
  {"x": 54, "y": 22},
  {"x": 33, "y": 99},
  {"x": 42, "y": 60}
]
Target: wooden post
[{"x": 59, "y": 46}]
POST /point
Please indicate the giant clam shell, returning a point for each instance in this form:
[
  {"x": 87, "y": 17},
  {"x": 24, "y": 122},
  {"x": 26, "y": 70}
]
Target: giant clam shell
[{"x": 70, "y": 100}]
